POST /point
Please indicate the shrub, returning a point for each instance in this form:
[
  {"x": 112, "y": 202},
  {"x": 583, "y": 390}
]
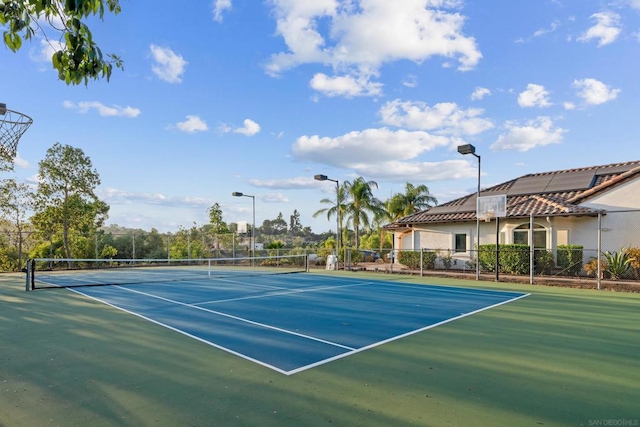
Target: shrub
[
  {"x": 412, "y": 259},
  {"x": 447, "y": 259},
  {"x": 634, "y": 253},
  {"x": 592, "y": 266},
  {"x": 570, "y": 259},
  {"x": 544, "y": 262},
  {"x": 514, "y": 259},
  {"x": 618, "y": 263}
]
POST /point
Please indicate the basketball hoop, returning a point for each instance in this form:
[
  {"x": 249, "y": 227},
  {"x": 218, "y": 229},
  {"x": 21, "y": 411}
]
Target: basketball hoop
[
  {"x": 12, "y": 126},
  {"x": 488, "y": 216}
]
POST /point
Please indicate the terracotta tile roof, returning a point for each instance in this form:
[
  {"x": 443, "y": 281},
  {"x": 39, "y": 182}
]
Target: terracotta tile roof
[{"x": 541, "y": 194}]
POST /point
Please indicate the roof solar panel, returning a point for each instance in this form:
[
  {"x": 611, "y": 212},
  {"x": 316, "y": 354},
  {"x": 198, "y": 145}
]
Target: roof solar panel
[
  {"x": 442, "y": 209},
  {"x": 531, "y": 184},
  {"x": 569, "y": 181},
  {"x": 616, "y": 169}
]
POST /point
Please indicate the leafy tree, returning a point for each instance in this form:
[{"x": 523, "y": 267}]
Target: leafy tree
[
  {"x": 108, "y": 251},
  {"x": 77, "y": 58},
  {"x": 66, "y": 202},
  {"x": 155, "y": 245},
  {"x": 16, "y": 200},
  {"x": 276, "y": 244},
  {"x": 360, "y": 203},
  {"x": 279, "y": 224},
  {"x": 216, "y": 221},
  {"x": 295, "y": 226}
]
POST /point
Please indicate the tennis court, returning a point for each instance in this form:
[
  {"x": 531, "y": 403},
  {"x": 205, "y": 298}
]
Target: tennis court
[
  {"x": 558, "y": 357},
  {"x": 288, "y": 322}
]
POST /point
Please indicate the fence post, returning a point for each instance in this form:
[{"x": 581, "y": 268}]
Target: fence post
[
  {"x": 599, "y": 249},
  {"x": 497, "y": 249},
  {"x": 532, "y": 251}
]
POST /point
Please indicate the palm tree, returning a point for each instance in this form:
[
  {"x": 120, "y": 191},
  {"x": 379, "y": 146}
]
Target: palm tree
[
  {"x": 361, "y": 202},
  {"x": 332, "y": 211},
  {"x": 414, "y": 199}
]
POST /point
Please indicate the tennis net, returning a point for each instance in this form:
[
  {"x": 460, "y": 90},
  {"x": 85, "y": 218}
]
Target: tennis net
[{"x": 43, "y": 273}]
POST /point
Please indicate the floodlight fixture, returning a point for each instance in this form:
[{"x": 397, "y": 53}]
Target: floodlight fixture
[
  {"x": 320, "y": 177},
  {"x": 467, "y": 149},
  {"x": 253, "y": 227},
  {"x": 470, "y": 149}
]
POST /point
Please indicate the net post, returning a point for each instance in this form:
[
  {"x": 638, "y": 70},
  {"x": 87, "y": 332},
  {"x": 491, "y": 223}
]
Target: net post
[{"x": 29, "y": 275}]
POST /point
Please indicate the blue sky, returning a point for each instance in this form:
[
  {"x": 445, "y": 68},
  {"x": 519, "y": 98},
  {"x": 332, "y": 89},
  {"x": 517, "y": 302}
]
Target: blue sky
[{"x": 259, "y": 96}]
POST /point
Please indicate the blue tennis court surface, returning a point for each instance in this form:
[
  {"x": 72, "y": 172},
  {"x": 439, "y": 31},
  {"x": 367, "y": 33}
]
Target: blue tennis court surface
[{"x": 293, "y": 322}]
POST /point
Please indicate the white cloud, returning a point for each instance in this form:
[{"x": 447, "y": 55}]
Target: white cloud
[
  {"x": 383, "y": 154},
  {"x": 410, "y": 81},
  {"x": 401, "y": 172},
  {"x": 103, "y": 110},
  {"x": 361, "y": 36},
  {"x": 168, "y": 66},
  {"x": 534, "y": 96},
  {"x": 20, "y": 162},
  {"x": 116, "y": 196},
  {"x": 569, "y": 106},
  {"x": 445, "y": 118},
  {"x": 219, "y": 6},
  {"x": 479, "y": 93},
  {"x": 594, "y": 92},
  {"x": 347, "y": 86},
  {"x": 274, "y": 198},
  {"x": 554, "y": 26},
  {"x": 46, "y": 50},
  {"x": 299, "y": 183},
  {"x": 192, "y": 124},
  {"x": 532, "y": 134},
  {"x": 357, "y": 149},
  {"x": 606, "y": 30},
  {"x": 635, "y": 4},
  {"x": 249, "y": 128}
]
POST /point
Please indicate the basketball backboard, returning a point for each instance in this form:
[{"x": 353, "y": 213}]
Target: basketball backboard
[{"x": 489, "y": 207}]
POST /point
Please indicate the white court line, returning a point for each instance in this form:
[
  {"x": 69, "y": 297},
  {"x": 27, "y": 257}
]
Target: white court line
[
  {"x": 287, "y": 292},
  {"x": 241, "y": 319},
  {"x": 180, "y": 331},
  {"x": 340, "y": 356},
  {"x": 302, "y": 368}
]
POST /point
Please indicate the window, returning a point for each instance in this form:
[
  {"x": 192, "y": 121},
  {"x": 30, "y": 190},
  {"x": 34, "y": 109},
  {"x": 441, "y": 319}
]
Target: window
[
  {"x": 563, "y": 237},
  {"x": 521, "y": 236},
  {"x": 460, "y": 243}
]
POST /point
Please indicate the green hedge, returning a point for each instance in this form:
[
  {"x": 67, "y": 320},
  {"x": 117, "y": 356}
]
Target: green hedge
[
  {"x": 412, "y": 259},
  {"x": 514, "y": 259},
  {"x": 570, "y": 259}
]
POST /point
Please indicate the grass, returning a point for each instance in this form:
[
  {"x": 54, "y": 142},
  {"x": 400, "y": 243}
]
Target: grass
[{"x": 561, "y": 356}]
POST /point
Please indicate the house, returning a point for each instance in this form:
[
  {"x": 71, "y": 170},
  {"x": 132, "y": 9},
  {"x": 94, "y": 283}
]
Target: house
[{"x": 597, "y": 207}]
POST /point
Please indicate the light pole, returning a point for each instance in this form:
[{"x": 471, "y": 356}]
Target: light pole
[
  {"x": 253, "y": 227},
  {"x": 470, "y": 149},
  {"x": 325, "y": 178}
]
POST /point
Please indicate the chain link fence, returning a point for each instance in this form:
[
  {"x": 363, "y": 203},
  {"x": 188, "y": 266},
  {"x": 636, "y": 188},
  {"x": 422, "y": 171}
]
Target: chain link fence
[
  {"x": 598, "y": 248},
  {"x": 17, "y": 247}
]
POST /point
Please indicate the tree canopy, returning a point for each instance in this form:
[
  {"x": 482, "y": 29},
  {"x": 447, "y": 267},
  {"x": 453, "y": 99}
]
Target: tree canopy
[
  {"x": 66, "y": 199},
  {"x": 360, "y": 202},
  {"x": 77, "y": 57}
]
